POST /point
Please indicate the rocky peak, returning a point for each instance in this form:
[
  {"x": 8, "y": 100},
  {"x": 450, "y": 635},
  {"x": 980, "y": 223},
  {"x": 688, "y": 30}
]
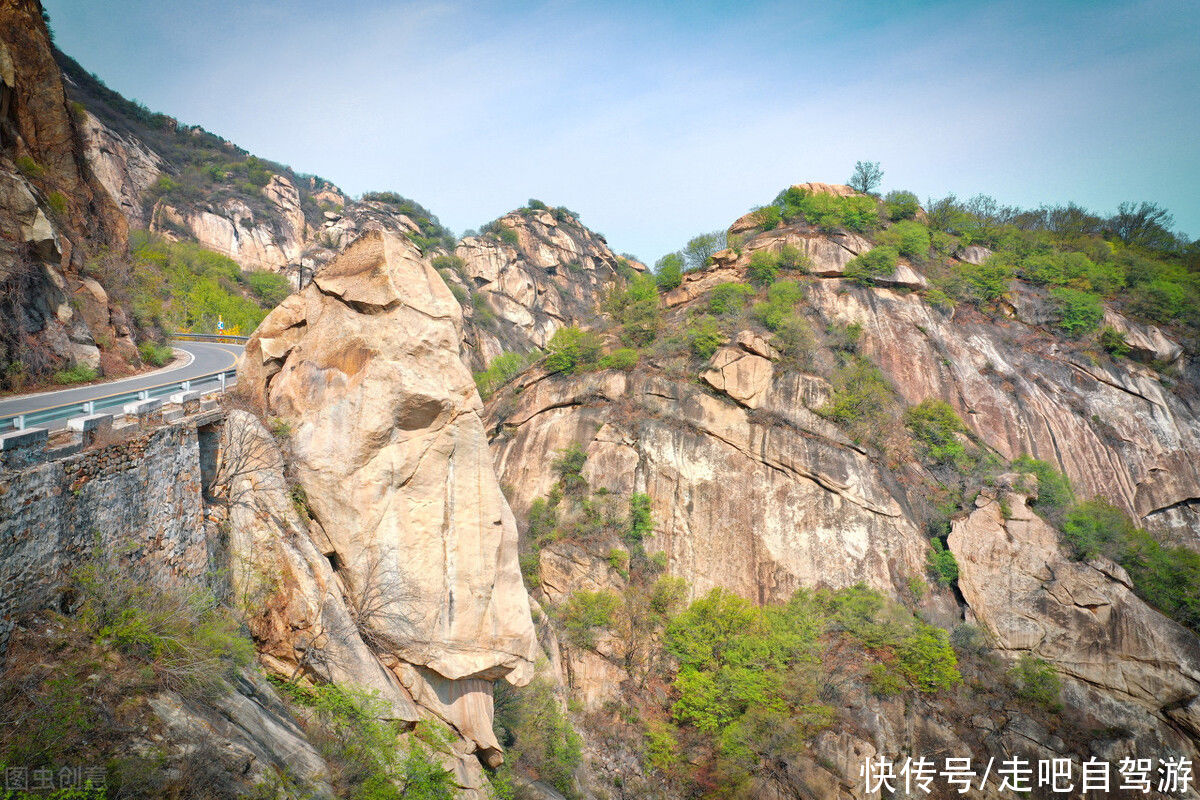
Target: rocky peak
[{"x": 528, "y": 274}]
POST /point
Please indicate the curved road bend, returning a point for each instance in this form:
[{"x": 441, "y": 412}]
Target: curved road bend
[{"x": 207, "y": 357}]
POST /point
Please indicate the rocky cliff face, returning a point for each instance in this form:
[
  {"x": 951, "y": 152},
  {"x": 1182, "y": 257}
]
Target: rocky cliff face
[
  {"x": 56, "y": 216},
  {"x": 407, "y": 519},
  {"x": 753, "y": 488},
  {"x": 1124, "y": 660},
  {"x": 547, "y": 271}
]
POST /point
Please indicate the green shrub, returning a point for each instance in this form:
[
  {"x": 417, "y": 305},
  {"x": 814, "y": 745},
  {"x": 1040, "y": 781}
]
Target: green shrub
[
  {"x": 868, "y": 268},
  {"x": 1159, "y": 301},
  {"x": 1054, "y": 490},
  {"x": 76, "y": 373},
  {"x": 636, "y": 307},
  {"x": 767, "y": 218},
  {"x": 704, "y": 335},
  {"x": 537, "y": 736},
  {"x": 661, "y": 746},
  {"x": 1096, "y": 527},
  {"x": 792, "y": 258},
  {"x": 909, "y": 238},
  {"x": 271, "y": 288},
  {"x": 1166, "y": 577},
  {"x": 1113, "y": 342},
  {"x": 939, "y": 299},
  {"x": 1037, "y": 681},
  {"x": 828, "y": 212},
  {"x": 503, "y": 368},
  {"x": 781, "y": 301},
  {"x": 728, "y": 299},
  {"x": 449, "y": 262},
  {"x": 58, "y": 202},
  {"x": 983, "y": 284},
  {"x": 189, "y": 641},
  {"x": 861, "y": 396},
  {"x": 155, "y": 354},
  {"x": 843, "y": 338},
  {"x": 901, "y": 205},
  {"x": 795, "y": 341},
  {"x": 569, "y": 467},
  {"x": 588, "y": 612},
  {"x": 623, "y": 358},
  {"x": 1072, "y": 269},
  {"x": 763, "y": 268},
  {"x": 572, "y": 350},
  {"x": 641, "y": 522},
  {"x": 927, "y": 660},
  {"x": 668, "y": 271},
  {"x": 30, "y": 168},
  {"x": 1079, "y": 312},
  {"x": 941, "y": 563},
  {"x": 937, "y": 429}
]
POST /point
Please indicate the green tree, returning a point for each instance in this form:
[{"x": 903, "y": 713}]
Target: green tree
[
  {"x": 867, "y": 176},
  {"x": 1079, "y": 312},
  {"x": 572, "y": 350},
  {"x": 668, "y": 271},
  {"x": 911, "y": 239},
  {"x": 729, "y": 298},
  {"x": 870, "y": 267},
  {"x": 901, "y": 205},
  {"x": 700, "y": 249}
]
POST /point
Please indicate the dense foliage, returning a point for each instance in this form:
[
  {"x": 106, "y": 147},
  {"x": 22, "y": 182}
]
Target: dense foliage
[{"x": 181, "y": 286}]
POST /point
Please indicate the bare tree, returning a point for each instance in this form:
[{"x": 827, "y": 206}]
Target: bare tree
[
  {"x": 700, "y": 249},
  {"x": 1143, "y": 225},
  {"x": 382, "y": 600}
]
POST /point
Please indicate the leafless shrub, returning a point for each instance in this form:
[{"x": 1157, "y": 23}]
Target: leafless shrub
[{"x": 382, "y": 600}]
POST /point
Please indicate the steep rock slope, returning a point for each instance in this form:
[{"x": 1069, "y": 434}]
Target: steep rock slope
[
  {"x": 406, "y": 514},
  {"x": 55, "y": 215},
  {"x": 753, "y": 488}
]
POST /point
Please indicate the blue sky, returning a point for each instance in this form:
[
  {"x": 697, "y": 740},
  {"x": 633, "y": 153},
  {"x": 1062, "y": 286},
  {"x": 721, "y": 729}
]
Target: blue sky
[{"x": 659, "y": 120}]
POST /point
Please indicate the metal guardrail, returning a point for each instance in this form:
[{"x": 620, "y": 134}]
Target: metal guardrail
[
  {"x": 210, "y": 337},
  {"x": 211, "y": 382}
]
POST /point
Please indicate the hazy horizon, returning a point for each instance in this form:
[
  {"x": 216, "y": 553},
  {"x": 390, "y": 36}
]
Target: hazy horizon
[{"x": 657, "y": 122}]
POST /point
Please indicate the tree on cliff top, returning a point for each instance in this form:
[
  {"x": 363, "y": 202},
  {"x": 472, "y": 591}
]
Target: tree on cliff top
[{"x": 867, "y": 176}]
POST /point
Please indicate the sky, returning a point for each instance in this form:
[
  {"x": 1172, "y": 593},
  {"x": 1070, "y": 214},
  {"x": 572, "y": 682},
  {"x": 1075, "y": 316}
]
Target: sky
[{"x": 656, "y": 121}]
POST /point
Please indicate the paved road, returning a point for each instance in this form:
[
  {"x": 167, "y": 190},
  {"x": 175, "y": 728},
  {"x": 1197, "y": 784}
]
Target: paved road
[{"x": 207, "y": 357}]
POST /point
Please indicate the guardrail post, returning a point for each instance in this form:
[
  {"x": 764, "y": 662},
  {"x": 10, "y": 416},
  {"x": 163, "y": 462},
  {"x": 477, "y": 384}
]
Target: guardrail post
[
  {"x": 222, "y": 383},
  {"x": 19, "y": 420},
  {"x": 143, "y": 395},
  {"x": 186, "y": 386},
  {"x": 89, "y": 407}
]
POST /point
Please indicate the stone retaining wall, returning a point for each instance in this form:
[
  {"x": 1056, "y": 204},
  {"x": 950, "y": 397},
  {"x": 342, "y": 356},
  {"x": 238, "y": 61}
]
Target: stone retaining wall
[{"x": 138, "y": 496}]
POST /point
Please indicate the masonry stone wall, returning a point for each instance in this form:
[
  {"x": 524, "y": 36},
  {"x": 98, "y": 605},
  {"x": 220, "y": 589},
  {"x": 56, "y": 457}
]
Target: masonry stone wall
[{"x": 138, "y": 497}]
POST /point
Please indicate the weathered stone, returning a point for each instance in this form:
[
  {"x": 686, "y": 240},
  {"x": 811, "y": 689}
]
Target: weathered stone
[{"x": 1081, "y": 616}]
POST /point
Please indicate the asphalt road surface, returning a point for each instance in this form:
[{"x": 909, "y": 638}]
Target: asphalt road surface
[{"x": 207, "y": 357}]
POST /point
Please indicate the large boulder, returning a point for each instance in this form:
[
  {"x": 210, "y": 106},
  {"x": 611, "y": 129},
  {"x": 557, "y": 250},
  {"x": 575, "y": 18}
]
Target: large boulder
[{"x": 387, "y": 442}]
